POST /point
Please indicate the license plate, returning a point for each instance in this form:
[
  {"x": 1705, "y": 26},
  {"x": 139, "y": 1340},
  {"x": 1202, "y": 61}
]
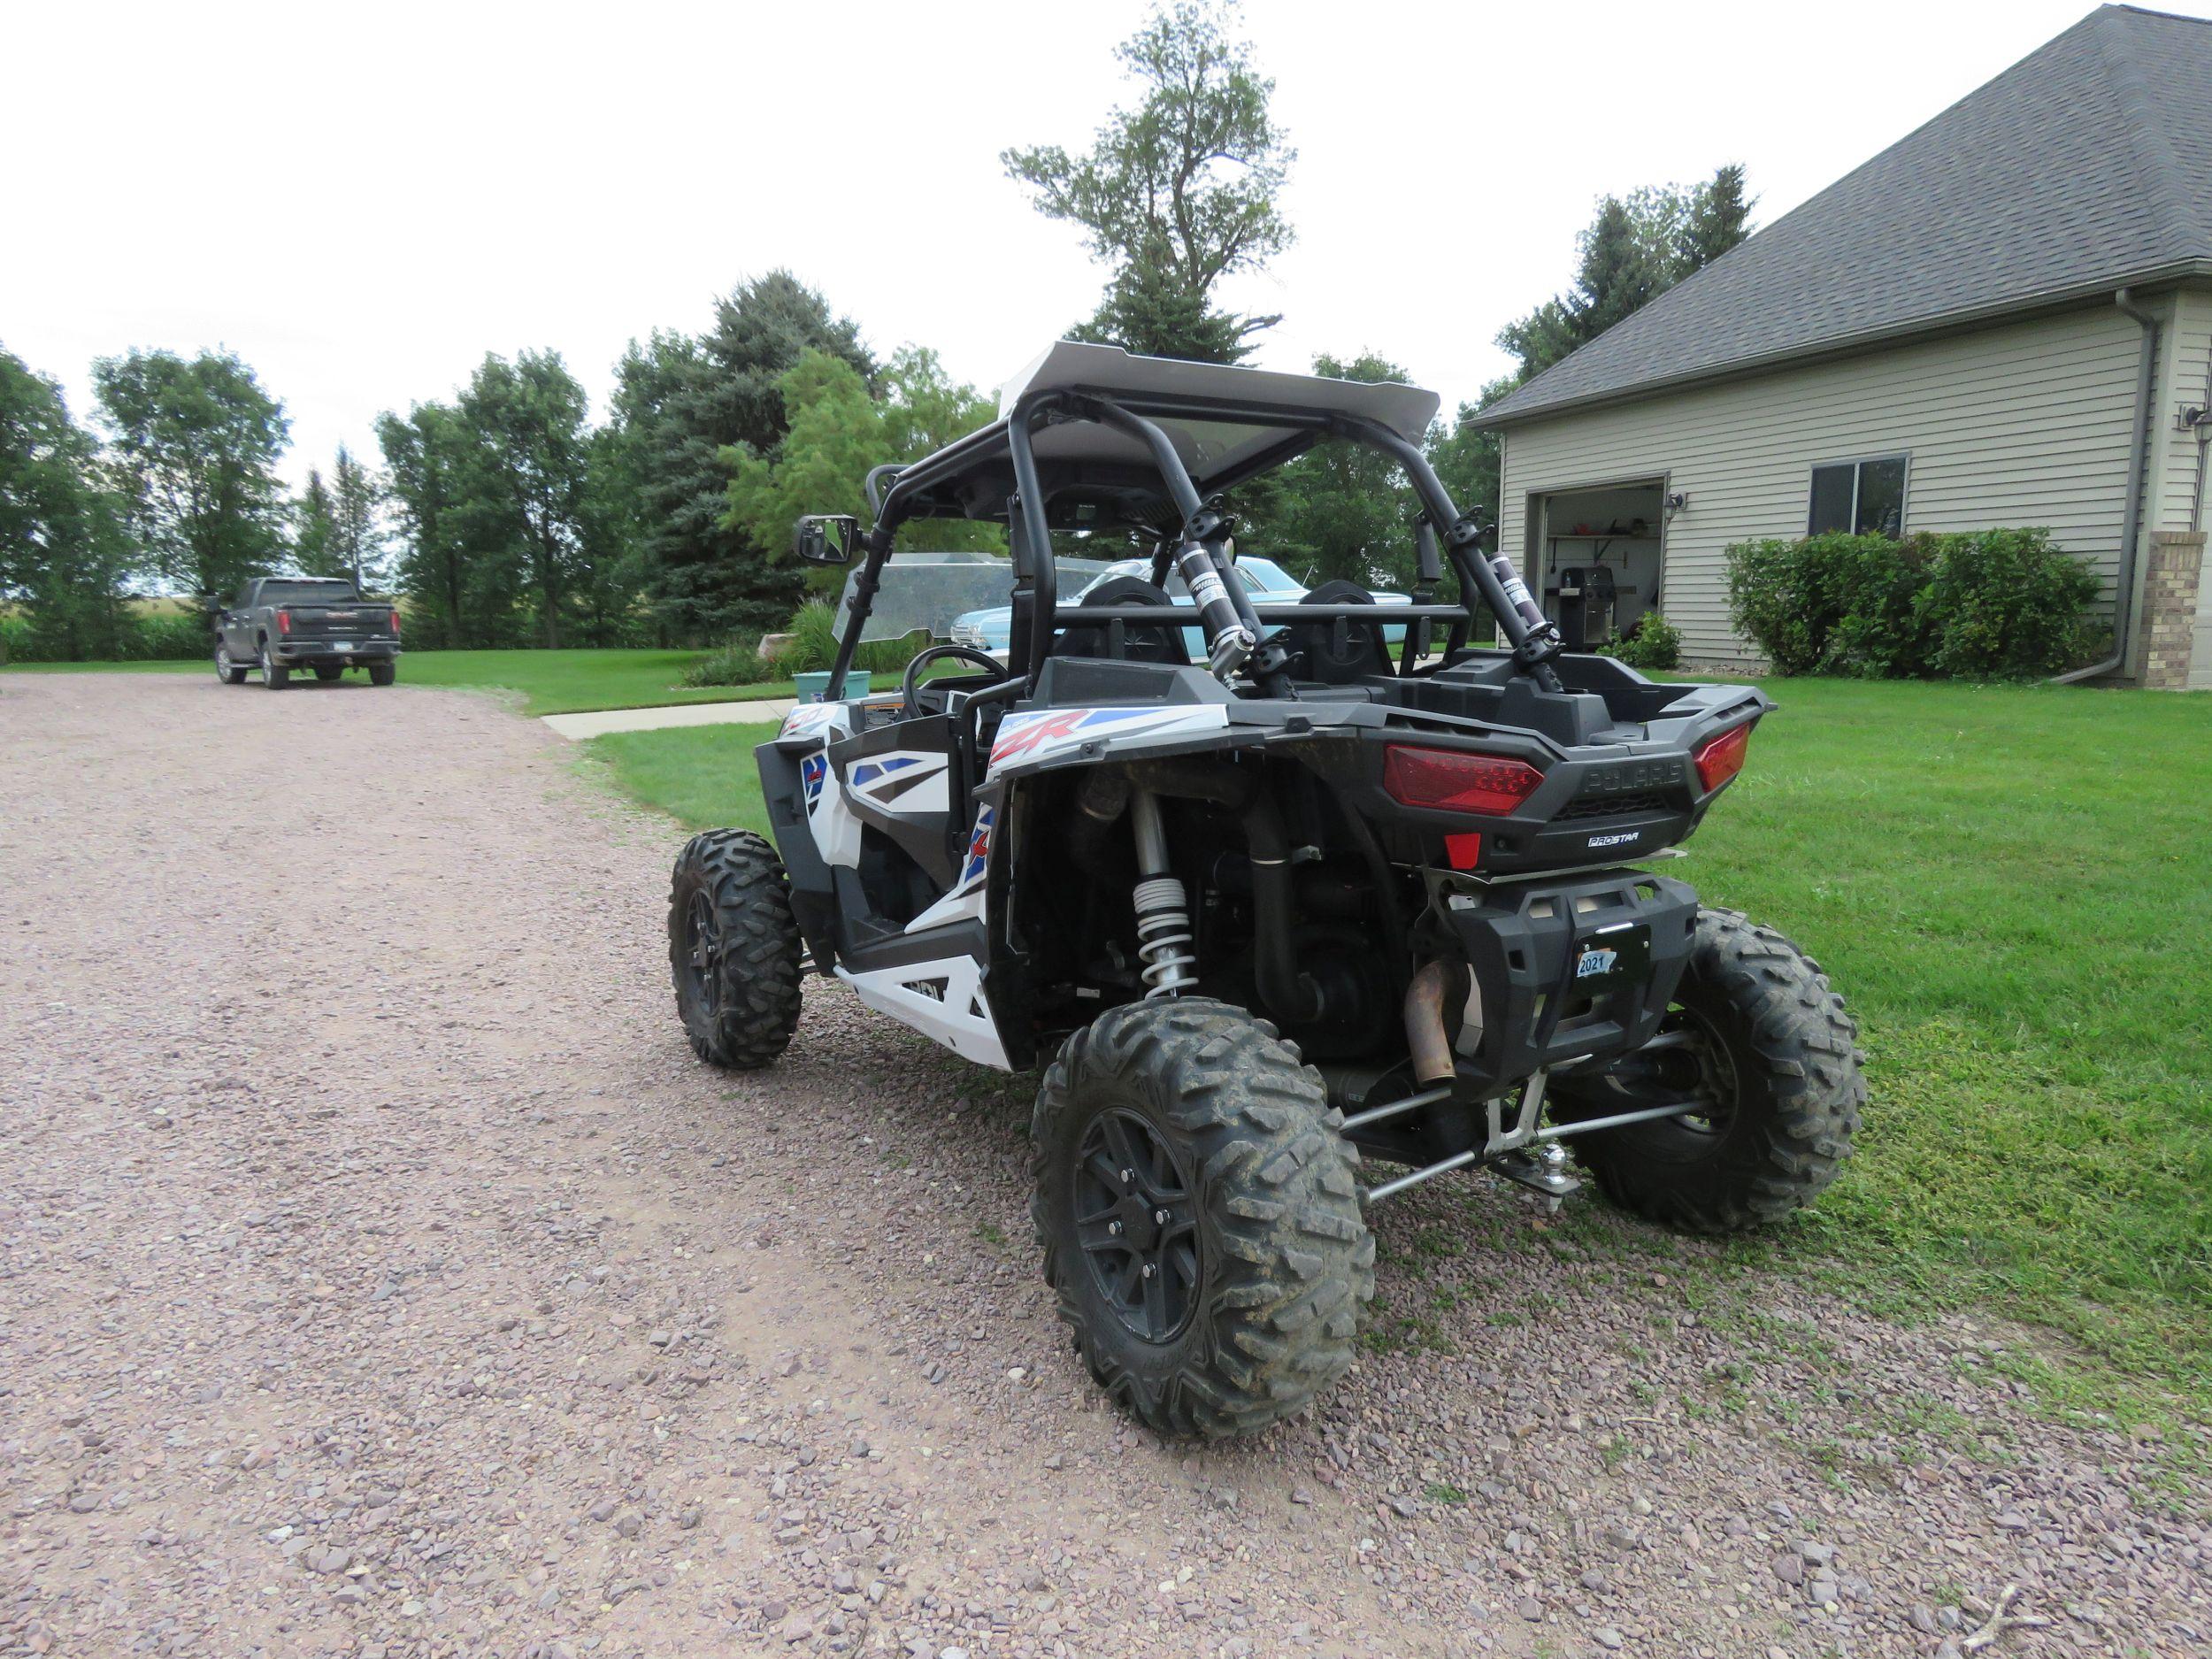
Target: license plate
[
  {"x": 342, "y": 645},
  {"x": 1613, "y": 957}
]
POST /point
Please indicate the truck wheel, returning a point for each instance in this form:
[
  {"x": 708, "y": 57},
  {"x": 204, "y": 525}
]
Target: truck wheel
[
  {"x": 1756, "y": 1035},
  {"x": 733, "y": 948},
  {"x": 1198, "y": 1216},
  {"x": 274, "y": 675},
  {"x": 383, "y": 673},
  {"x": 229, "y": 672},
  {"x": 327, "y": 670}
]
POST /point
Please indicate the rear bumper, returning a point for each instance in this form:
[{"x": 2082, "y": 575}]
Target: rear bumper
[
  {"x": 290, "y": 652},
  {"x": 1565, "y": 969}
]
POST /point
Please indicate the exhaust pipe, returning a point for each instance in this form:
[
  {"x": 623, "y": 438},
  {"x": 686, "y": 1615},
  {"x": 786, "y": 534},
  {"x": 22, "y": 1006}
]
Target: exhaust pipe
[
  {"x": 1429, "y": 1038},
  {"x": 1426, "y": 1036}
]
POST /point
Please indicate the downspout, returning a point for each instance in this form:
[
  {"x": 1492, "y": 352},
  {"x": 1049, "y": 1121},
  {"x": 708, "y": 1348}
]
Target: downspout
[{"x": 2132, "y": 519}]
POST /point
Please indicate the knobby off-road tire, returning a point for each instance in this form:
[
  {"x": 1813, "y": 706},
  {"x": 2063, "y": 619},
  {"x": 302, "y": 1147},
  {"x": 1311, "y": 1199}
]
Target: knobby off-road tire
[
  {"x": 1762, "y": 1035},
  {"x": 1244, "y": 1156},
  {"x": 274, "y": 675},
  {"x": 383, "y": 673},
  {"x": 229, "y": 671},
  {"x": 733, "y": 949}
]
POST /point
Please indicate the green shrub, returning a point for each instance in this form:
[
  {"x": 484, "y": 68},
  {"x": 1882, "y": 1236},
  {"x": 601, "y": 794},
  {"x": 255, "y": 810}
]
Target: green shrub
[
  {"x": 2006, "y": 604},
  {"x": 813, "y": 643},
  {"x": 1974, "y": 603},
  {"x": 733, "y": 664},
  {"x": 1656, "y": 643}
]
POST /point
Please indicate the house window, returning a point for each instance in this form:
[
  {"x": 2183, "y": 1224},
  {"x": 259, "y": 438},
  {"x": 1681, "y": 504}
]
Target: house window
[{"x": 1859, "y": 497}]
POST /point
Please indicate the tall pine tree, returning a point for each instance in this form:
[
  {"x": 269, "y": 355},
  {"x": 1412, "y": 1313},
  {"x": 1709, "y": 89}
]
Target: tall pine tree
[{"x": 683, "y": 406}]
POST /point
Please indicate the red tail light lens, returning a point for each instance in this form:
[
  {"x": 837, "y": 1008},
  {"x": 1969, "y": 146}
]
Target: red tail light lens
[
  {"x": 1453, "y": 780},
  {"x": 284, "y": 622},
  {"x": 396, "y": 624},
  {"x": 1722, "y": 758}
]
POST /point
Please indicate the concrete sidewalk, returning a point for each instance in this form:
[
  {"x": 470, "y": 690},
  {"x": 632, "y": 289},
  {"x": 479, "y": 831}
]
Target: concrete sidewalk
[{"x": 578, "y": 727}]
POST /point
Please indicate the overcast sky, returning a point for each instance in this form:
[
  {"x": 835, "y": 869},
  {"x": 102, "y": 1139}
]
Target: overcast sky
[{"x": 363, "y": 201}]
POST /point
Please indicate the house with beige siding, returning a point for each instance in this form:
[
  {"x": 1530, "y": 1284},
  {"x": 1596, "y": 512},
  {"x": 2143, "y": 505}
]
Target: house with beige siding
[{"x": 2005, "y": 318}]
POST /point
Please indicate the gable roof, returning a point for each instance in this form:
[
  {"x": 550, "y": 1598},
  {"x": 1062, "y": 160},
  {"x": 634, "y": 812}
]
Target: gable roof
[{"x": 2086, "y": 165}]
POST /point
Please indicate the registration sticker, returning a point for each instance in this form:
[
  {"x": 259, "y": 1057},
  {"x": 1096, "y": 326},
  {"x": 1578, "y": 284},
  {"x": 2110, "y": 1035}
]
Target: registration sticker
[{"x": 1594, "y": 961}]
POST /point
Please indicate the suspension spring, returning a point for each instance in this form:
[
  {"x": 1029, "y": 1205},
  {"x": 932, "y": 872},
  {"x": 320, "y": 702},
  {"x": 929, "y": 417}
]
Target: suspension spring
[{"x": 1164, "y": 938}]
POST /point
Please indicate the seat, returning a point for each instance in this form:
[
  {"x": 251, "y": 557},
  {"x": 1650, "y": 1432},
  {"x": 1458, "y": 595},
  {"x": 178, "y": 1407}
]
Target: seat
[
  {"x": 1138, "y": 641},
  {"x": 1336, "y": 653}
]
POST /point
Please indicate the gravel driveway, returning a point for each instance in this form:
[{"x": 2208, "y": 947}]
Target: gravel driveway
[{"x": 380, "y": 1275}]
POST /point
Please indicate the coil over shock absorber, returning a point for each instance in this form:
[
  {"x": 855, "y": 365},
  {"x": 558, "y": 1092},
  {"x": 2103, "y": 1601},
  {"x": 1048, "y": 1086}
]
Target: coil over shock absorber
[{"x": 1164, "y": 930}]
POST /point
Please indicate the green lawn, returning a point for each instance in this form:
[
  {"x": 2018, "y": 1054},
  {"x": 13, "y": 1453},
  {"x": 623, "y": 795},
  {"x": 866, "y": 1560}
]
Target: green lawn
[
  {"x": 551, "y": 682},
  {"x": 2009, "y": 884},
  {"x": 705, "y": 777}
]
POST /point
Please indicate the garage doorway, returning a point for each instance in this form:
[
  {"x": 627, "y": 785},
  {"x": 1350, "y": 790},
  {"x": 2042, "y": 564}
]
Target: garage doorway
[{"x": 1601, "y": 554}]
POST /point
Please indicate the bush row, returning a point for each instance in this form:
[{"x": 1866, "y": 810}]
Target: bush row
[
  {"x": 1979, "y": 604},
  {"x": 161, "y": 636},
  {"x": 809, "y": 645}
]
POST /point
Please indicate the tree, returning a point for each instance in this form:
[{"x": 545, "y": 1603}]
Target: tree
[
  {"x": 357, "y": 539},
  {"x": 525, "y": 422},
  {"x": 63, "y": 553},
  {"x": 1719, "y": 218},
  {"x": 1342, "y": 510},
  {"x": 458, "y": 588},
  {"x": 1635, "y": 249},
  {"x": 838, "y": 432},
  {"x": 1177, "y": 193},
  {"x": 681, "y": 404},
  {"x": 196, "y": 446},
  {"x": 311, "y": 529}
]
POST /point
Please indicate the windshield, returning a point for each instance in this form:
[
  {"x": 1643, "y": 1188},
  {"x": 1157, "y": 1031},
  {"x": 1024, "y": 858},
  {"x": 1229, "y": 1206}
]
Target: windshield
[
  {"x": 1259, "y": 576},
  {"x": 307, "y": 593}
]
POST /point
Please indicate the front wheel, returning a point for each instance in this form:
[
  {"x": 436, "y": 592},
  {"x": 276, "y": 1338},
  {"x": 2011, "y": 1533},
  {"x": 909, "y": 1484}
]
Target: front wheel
[
  {"x": 328, "y": 671},
  {"x": 230, "y": 671},
  {"x": 1758, "y": 1040},
  {"x": 1199, "y": 1215},
  {"x": 733, "y": 948}
]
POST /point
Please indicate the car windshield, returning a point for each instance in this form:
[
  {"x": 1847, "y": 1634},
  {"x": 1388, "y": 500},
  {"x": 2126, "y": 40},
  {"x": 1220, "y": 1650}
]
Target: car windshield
[
  {"x": 1259, "y": 576},
  {"x": 307, "y": 593}
]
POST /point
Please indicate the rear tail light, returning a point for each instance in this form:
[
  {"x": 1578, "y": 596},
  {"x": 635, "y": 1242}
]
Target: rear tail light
[
  {"x": 1722, "y": 757},
  {"x": 1454, "y": 780},
  {"x": 284, "y": 622},
  {"x": 395, "y": 625}
]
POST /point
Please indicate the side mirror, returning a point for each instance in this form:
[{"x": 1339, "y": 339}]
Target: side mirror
[{"x": 826, "y": 538}]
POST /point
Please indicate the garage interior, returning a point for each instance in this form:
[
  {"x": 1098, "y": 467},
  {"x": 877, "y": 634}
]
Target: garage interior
[{"x": 1601, "y": 554}]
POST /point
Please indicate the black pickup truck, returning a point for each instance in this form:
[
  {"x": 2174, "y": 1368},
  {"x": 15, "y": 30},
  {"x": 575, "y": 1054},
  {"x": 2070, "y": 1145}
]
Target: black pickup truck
[{"x": 279, "y": 622}]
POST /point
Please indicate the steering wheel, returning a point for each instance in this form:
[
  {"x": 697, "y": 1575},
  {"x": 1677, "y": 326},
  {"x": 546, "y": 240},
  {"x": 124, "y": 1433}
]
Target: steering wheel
[{"x": 911, "y": 688}]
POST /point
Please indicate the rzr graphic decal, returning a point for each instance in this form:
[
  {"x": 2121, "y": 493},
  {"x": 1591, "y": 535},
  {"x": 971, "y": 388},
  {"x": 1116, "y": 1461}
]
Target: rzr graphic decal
[
  {"x": 810, "y": 716},
  {"x": 979, "y": 851},
  {"x": 1031, "y": 737},
  {"x": 812, "y": 770}
]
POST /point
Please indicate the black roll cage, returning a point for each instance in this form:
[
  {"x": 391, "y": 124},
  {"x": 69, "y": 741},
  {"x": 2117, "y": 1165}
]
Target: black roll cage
[{"x": 895, "y": 492}]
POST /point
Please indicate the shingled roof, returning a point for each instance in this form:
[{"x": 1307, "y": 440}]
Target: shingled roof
[{"x": 2084, "y": 166}]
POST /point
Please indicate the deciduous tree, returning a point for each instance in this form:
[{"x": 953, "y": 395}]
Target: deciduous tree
[
  {"x": 194, "y": 446},
  {"x": 1177, "y": 192},
  {"x": 63, "y": 552}
]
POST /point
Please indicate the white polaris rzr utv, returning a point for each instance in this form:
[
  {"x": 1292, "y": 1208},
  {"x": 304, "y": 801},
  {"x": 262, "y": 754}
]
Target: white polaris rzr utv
[{"x": 1258, "y": 915}]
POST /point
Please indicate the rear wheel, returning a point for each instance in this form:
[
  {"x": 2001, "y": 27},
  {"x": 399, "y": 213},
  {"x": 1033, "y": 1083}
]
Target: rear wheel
[
  {"x": 229, "y": 671},
  {"x": 274, "y": 675},
  {"x": 1758, "y": 1038},
  {"x": 383, "y": 673},
  {"x": 733, "y": 948},
  {"x": 1199, "y": 1215},
  {"x": 328, "y": 671}
]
